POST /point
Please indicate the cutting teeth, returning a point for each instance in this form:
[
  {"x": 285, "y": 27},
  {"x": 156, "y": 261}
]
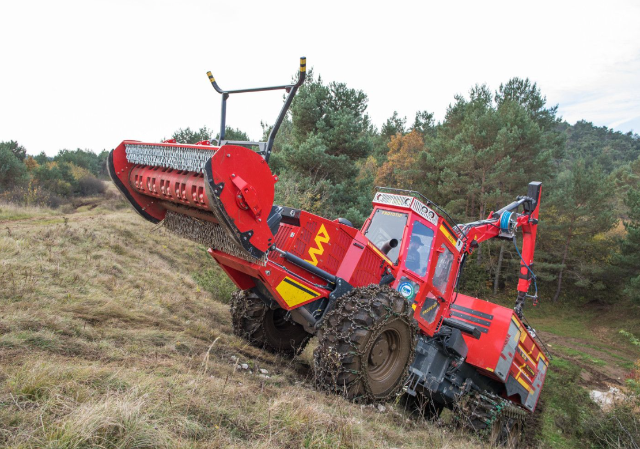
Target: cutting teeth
[
  {"x": 212, "y": 235},
  {"x": 177, "y": 158}
]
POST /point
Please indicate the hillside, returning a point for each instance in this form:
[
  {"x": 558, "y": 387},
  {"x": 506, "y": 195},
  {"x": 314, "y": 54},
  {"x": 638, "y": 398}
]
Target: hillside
[{"x": 115, "y": 333}]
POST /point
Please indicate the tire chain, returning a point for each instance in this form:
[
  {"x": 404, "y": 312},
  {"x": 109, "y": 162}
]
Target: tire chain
[
  {"x": 479, "y": 411},
  {"x": 340, "y": 327},
  {"x": 247, "y": 317}
]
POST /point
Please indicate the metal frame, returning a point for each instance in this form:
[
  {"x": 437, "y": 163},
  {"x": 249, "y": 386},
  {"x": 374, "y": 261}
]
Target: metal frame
[
  {"x": 428, "y": 203},
  {"x": 264, "y": 147}
]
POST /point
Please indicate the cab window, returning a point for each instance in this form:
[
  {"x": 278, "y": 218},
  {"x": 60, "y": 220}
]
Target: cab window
[
  {"x": 443, "y": 269},
  {"x": 417, "y": 259},
  {"x": 386, "y": 225}
]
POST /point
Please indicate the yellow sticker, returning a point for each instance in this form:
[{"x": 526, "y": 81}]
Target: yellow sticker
[
  {"x": 524, "y": 384},
  {"x": 294, "y": 293},
  {"x": 321, "y": 237},
  {"x": 448, "y": 235}
]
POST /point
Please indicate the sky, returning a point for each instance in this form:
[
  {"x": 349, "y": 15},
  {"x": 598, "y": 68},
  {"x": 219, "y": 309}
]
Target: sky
[{"x": 89, "y": 74}]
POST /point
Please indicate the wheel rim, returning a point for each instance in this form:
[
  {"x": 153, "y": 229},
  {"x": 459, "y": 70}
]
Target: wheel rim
[
  {"x": 387, "y": 358},
  {"x": 279, "y": 321}
]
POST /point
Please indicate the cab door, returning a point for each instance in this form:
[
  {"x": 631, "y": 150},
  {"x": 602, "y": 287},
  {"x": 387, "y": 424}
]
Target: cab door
[
  {"x": 414, "y": 264},
  {"x": 440, "y": 279}
]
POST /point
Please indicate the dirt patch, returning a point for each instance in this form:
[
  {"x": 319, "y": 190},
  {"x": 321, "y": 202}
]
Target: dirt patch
[{"x": 600, "y": 367}]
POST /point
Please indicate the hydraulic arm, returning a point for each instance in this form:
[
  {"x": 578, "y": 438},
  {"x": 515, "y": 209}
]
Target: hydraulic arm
[{"x": 503, "y": 224}]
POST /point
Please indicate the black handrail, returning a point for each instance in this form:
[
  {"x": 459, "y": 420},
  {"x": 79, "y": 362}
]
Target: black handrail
[
  {"x": 428, "y": 202},
  {"x": 291, "y": 89}
]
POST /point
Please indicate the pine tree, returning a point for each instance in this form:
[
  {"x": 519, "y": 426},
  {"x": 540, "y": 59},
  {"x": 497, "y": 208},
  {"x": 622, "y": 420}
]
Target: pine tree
[
  {"x": 628, "y": 260},
  {"x": 578, "y": 209}
]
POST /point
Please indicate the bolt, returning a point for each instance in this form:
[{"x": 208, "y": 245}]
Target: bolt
[
  {"x": 259, "y": 220},
  {"x": 233, "y": 175},
  {"x": 228, "y": 155},
  {"x": 268, "y": 273}
]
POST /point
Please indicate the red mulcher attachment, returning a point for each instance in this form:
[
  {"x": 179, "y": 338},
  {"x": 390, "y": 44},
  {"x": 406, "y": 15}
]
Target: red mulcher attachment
[{"x": 220, "y": 196}]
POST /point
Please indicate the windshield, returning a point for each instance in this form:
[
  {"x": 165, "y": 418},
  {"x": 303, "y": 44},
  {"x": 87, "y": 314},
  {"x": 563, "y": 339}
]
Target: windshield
[
  {"x": 417, "y": 259},
  {"x": 386, "y": 225}
]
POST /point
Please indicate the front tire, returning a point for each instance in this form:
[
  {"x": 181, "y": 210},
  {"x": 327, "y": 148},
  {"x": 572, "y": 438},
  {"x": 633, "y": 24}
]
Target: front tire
[
  {"x": 264, "y": 327},
  {"x": 366, "y": 345}
]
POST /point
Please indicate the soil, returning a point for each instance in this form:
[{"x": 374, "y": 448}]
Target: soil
[{"x": 594, "y": 376}]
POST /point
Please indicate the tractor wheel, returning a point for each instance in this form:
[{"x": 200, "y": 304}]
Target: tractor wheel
[
  {"x": 506, "y": 432},
  {"x": 366, "y": 345},
  {"x": 264, "y": 327}
]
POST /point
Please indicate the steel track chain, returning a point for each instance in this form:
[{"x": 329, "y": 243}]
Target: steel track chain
[
  {"x": 332, "y": 372},
  {"x": 480, "y": 411}
]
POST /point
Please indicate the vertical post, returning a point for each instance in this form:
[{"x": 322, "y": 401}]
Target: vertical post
[{"x": 223, "y": 116}]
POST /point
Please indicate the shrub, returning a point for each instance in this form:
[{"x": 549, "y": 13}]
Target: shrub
[
  {"x": 90, "y": 185},
  {"x": 617, "y": 427},
  {"x": 31, "y": 195}
]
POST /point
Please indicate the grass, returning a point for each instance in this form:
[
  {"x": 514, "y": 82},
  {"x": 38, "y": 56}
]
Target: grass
[
  {"x": 114, "y": 334},
  {"x": 579, "y": 354},
  {"x": 12, "y": 212}
]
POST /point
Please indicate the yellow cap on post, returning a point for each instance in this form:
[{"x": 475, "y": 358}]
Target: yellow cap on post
[
  {"x": 303, "y": 64},
  {"x": 211, "y": 78}
]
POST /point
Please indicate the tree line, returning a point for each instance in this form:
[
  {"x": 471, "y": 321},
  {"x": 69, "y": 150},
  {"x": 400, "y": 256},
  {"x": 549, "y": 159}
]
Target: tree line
[
  {"x": 489, "y": 146},
  {"x": 49, "y": 181},
  {"x": 491, "y": 143}
]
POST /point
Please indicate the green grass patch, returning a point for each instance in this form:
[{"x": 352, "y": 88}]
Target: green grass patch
[
  {"x": 565, "y": 406},
  {"x": 216, "y": 282},
  {"x": 583, "y": 356}
]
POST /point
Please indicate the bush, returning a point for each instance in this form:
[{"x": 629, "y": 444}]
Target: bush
[
  {"x": 31, "y": 195},
  {"x": 618, "y": 427},
  {"x": 90, "y": 185}
]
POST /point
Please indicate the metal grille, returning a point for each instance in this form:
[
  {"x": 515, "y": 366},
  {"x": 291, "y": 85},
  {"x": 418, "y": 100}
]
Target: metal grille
[
  {"x": 424, "y": 211},
  {"x": 212, "y": 235},
  {"x": 283, "y": 235},
  {"x": 304, "y": 238},
  {"x": 178, "y": 158},
  {"x": 394, "y": 200}
]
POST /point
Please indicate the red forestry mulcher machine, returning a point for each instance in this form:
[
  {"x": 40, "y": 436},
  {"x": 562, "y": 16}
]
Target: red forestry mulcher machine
[{"x": 382, "y": 300}]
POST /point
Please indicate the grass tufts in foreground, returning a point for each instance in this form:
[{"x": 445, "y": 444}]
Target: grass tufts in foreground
[{"x": 115, "y": 334}]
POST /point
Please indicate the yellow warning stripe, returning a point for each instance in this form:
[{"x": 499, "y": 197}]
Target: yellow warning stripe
[
  {"x": 527, "y": 356},
  {"x": 448, "y": 235},
  {"x": 378, "y": 252},
  {"x": 294, "y": 293},
  {"x": 524, "y": 384}
]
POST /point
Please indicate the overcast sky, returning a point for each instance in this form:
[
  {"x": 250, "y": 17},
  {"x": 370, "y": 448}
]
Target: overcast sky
[{"x": 89, "y": 74}]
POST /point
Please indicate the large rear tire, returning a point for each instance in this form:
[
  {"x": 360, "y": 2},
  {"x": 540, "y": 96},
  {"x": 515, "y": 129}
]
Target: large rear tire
[
  {"x": 366, "y": 345},
  {"x": 264, "y": 327}
]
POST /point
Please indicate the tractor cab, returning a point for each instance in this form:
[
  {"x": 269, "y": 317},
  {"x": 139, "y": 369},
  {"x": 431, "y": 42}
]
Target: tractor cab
[{"x": 424, "y": 251}]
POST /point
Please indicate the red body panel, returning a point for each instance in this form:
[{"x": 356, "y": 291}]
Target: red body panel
[
  {"x": 505, "y": 350},
  {"x": 327, "y": 244}
]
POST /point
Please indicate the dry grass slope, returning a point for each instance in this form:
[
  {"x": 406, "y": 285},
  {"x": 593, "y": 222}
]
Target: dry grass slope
[{"x": 107, "y": 340}]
